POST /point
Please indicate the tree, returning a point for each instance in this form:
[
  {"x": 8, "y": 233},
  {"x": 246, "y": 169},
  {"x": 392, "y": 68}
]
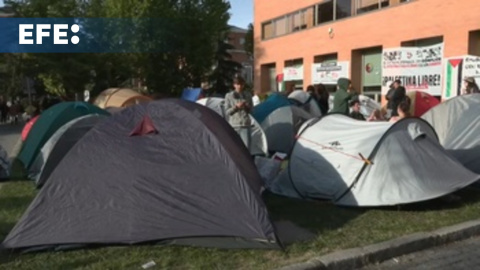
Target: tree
[
  {"x": 249, "y": 41},
  {"x": 225, "y": 68},
  {"x": 173, "y": 44}
]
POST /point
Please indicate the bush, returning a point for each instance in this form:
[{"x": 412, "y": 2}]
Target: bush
[{"x": 30, "y": 110}]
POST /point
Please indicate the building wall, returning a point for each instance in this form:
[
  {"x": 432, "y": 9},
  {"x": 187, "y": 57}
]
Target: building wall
[{"x": 454, "y": 20}]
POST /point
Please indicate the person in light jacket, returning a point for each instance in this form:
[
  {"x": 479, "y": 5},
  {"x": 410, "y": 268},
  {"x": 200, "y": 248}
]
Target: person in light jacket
[{"x": 238, "y": 105}]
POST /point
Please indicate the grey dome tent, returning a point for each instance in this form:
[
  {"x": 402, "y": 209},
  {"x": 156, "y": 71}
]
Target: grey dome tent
[
  {"x": 167, "y": 171},
  {"x": 4, "y": 164},
  {"x": 306, "y": 101},
  {"x": 39, "y": 162},
  {"x": 60, "y": 143},
  {"x": 259, "y": 139},
  {"x": 282, "y": 125},
  {"x": 457, "y": 123},
  {"x": 357, "y": 163},
  {"x": 214, "y": 103}
]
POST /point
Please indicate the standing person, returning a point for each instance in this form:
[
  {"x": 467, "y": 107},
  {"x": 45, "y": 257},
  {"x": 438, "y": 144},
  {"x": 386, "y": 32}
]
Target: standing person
[
  {"x": 470, "y": 85},
  {"x": 238, "y": 105},
  {"x": 290, "y": 89},
  {"x": 388, "y": 97},
  {"x": 14, "y": 111},
  {"x": 310, "y": 89},
  {"x": 403, "y": 110},
  {"x": 3, "y": 111},
  {"x": 322, "y": 98},
  {"x": 398, "y": 94},
  {"x": 342, "y": 96}
]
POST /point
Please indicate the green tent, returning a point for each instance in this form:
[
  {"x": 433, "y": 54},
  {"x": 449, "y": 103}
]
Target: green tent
[{"x": 49, "y": 122}]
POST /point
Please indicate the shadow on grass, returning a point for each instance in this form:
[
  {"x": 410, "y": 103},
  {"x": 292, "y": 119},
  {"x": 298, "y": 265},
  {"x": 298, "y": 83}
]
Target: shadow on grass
[
  {"x": 316, "y": 216},
  {"x": 321, "y": 216}
]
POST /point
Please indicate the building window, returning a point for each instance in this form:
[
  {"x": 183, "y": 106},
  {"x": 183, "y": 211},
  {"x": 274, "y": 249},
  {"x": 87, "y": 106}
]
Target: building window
[
  {"x": 267, "y": 30},
  {"x": 242, "y": 41},
  {"x": 281, "y": 26},
  {"x": 364, "y": 6},
  {"x": 343, "y": 9},
  {"x": 325, "y": 12},
  {"x": 297, "y": 22},
  {"x": 423, "y": 42},
  {"x": 309, "y": 16}
]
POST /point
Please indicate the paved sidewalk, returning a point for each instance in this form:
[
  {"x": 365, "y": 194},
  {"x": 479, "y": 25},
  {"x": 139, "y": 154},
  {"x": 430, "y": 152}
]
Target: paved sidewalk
[
  {"x": 9, "y": 136},
  {"x": 460, "y": 255}
]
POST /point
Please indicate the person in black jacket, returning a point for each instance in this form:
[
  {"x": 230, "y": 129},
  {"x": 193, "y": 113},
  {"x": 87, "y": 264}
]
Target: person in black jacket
[
  {"x": 356, "y": 114},
  {"x": 322, "y": 98},
  {"x": 395, "y": 96}
]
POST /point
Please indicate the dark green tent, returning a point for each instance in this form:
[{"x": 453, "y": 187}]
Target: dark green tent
[{"x": 49, "y": 122}]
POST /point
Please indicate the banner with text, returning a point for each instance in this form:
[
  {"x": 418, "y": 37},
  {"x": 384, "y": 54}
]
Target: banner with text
[
  {"x": 329, "y": 73},
  {"x": 456, "y": 69},
  {"x": 418, "y": 68},
  {"x": 294, "y": 73}
]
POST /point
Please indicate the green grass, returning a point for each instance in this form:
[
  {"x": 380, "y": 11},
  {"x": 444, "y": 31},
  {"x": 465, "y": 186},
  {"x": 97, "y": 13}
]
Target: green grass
[{"x": 336, "y": 228}]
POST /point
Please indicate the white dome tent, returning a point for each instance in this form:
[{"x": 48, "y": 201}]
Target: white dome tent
[
  {"x": 357, "y": 163},
  {"x": 282, "y": 125},
  {"x": 457, "y": 123},
  {"x": 259, "y": 139},
  {"x": 306, "y": 101}
]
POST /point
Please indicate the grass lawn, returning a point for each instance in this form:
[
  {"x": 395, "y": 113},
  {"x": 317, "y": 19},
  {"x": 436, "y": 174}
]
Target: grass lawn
[{"x": 336, "y": 228}]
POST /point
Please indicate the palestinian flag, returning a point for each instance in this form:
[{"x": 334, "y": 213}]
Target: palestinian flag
[
  {"x": 453, "y": 75},
  {"x": 280, "y": 83}
]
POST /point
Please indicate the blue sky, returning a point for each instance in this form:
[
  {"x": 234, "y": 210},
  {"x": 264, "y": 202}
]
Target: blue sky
[{"x": 241, "y": 12}]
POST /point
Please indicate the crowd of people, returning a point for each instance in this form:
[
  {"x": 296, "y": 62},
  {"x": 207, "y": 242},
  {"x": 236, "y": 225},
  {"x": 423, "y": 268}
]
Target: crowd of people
[
  {"x": 346, "y": 101},
  {"x": 13, "y": 111},
  {"x": 10, "y": 112},
  {"x": 239, "y": 103}
]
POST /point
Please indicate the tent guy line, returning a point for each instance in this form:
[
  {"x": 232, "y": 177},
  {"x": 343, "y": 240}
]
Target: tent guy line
[{"x": 361, "y": 158}]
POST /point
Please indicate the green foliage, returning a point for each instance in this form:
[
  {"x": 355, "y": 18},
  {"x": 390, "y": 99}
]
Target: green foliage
[
  {"x": 30, "y": 110},
  {"x": 225, "y": 68},
  {"x": 188, "y": 30}
]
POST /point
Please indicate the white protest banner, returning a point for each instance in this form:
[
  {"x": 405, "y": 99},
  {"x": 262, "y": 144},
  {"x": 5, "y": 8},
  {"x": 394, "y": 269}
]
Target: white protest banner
[
  {"x": 329, "y": 73},
  {"x": 471, "y": 68},
  {"x": 418, "y": 68},
  {"x": 456, "y": 70},
  {"x": 294, "y": 73}
]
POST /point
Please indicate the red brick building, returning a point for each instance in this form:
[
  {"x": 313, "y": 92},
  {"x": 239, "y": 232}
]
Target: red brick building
[
  {"x": 305, "y": 32},
  {"x": 237, "y": 39}
]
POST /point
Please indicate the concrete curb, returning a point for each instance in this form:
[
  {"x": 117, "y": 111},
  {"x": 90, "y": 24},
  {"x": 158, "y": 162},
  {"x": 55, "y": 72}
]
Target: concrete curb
[{"x": 359, "y": 257}]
